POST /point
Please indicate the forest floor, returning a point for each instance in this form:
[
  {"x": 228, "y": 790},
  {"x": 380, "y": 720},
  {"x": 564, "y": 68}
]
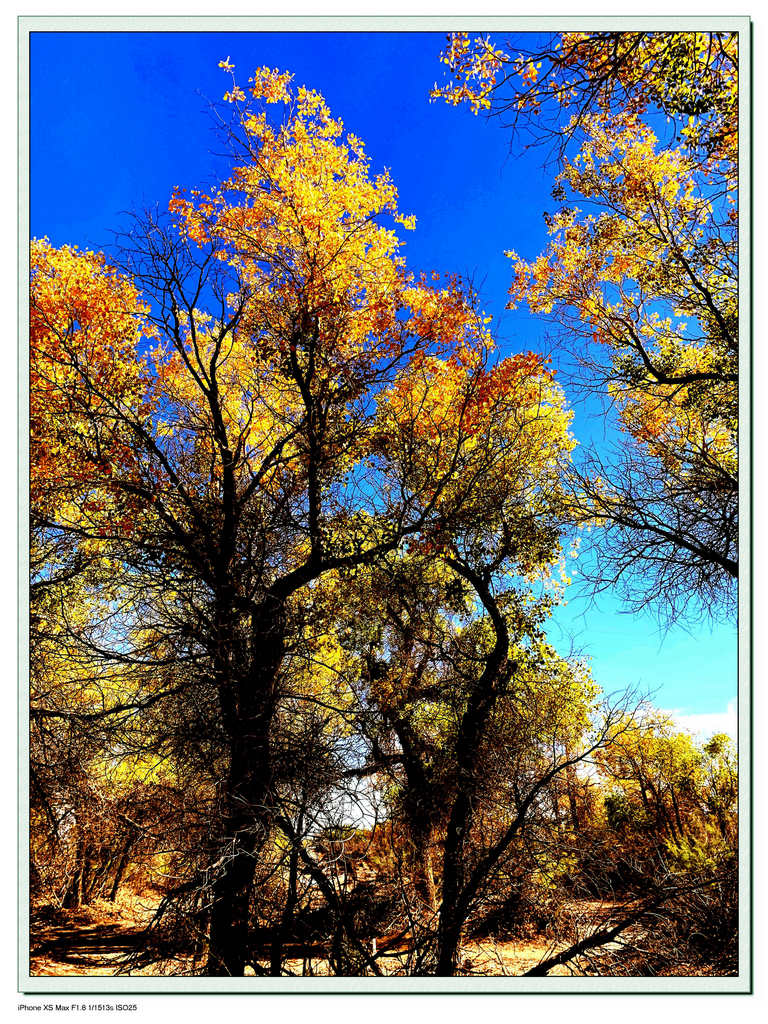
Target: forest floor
[
  {"x": 90, "y": 941},
  {"x": 98, "y": 941}
]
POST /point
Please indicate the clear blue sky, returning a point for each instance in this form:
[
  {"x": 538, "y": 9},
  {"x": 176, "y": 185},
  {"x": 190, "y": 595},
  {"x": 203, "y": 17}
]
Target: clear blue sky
[{"x": 119, "y": 119}]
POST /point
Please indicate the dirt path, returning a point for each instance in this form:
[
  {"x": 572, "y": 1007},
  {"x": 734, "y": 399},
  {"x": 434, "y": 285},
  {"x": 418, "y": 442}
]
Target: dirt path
[
  {"x": 93, "y": 940},
  {"x": 96, "y": 949}
]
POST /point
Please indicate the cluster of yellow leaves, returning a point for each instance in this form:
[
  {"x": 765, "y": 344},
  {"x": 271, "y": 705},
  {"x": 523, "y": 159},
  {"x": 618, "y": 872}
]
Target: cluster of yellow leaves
[
  {"x": 694, "y": 73},
  {"x": 475, "y": 66},
  {"x": 556, "y": 699},
  {"x": 608, "y": 275},
  {"x": 444, "y": 319},
  {"x": 475, "y": 437},
  {"x": 86, "y": 322},
  {"x": 651, "y": 205},
  {"x": 302, "y": 223},
  {"x": 678, "y": 431},
  {"x": 266, "y": 84}
]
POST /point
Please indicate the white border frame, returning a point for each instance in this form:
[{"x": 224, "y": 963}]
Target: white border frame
[{"x": 135, "y": 986}]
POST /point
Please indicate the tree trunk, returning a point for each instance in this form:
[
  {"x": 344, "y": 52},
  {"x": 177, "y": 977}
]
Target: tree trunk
[
  {"x": 248, "y": 707},
  {"x": 425, "y": 878},
  {"x": 554, "y": 799},
  {"x": 676, "y": 810},
  {"x": 228, "y": 939},
  {"x": 74, "y": 895},
  {"x": 244, "y": 830},
  {"x": 291, "y": 899},
  {"x": 86, "y": 878},
  {"x": 492, "y": 681},
  {"x": 451, "y": 910},
  {"x": 122, "y": 864},
  {"x": 419, "y": 809}
]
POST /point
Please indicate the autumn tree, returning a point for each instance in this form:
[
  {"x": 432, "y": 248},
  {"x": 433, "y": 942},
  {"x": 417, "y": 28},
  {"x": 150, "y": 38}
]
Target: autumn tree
[
  {"x": 454, "y": 673},
  {"x": 671, "y": 817},
  {"x": 641, "y": 273},
  {"x": 86, "y": 321},
  {"x": 681, "y": 791},
  {"x": 284, "y": 401}
]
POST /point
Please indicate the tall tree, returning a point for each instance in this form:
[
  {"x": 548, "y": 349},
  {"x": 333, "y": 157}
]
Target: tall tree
[
  {"x": 303, "y": 405},
  {"x": 643, "y": 280}
]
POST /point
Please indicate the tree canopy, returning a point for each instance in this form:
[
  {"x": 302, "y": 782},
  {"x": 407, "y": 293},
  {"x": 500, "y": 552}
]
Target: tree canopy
[{"x": 642, "y": 275}]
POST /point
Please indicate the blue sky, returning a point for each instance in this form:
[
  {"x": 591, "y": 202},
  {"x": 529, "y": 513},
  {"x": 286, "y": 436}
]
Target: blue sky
[{"x": 119, "y": 119}]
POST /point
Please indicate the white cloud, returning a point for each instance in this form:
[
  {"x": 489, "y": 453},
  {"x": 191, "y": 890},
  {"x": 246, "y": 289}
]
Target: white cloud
[{"x": 706, "y": 724}]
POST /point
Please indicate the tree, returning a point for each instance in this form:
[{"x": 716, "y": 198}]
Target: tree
[
  {"x": 306, "y": 408},
  {"x": 670, "y": 805},
  {"x": 690, "y": 74},
  {"x": 452, "y": 663},
  {"x": 86, "y": 321},
  {"x": 682, "y": 792},
  {"x": 644, "y": 278}
]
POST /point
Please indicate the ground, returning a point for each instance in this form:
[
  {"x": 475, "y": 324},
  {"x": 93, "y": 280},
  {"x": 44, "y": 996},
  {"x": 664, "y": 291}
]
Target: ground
[{"x": 99, "y": 940}]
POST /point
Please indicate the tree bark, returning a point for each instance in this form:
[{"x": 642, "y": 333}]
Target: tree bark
[
  {"x": 248, "y": 706},
  {"x": 425, "y": 877},
  {"x": 73, "y": 897},
  {"x": 451, "y": 913},
  {"x": 120, "y": 870},
  {"x": 493, "y": 679},
  {"x": 573, "y": 806}
]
